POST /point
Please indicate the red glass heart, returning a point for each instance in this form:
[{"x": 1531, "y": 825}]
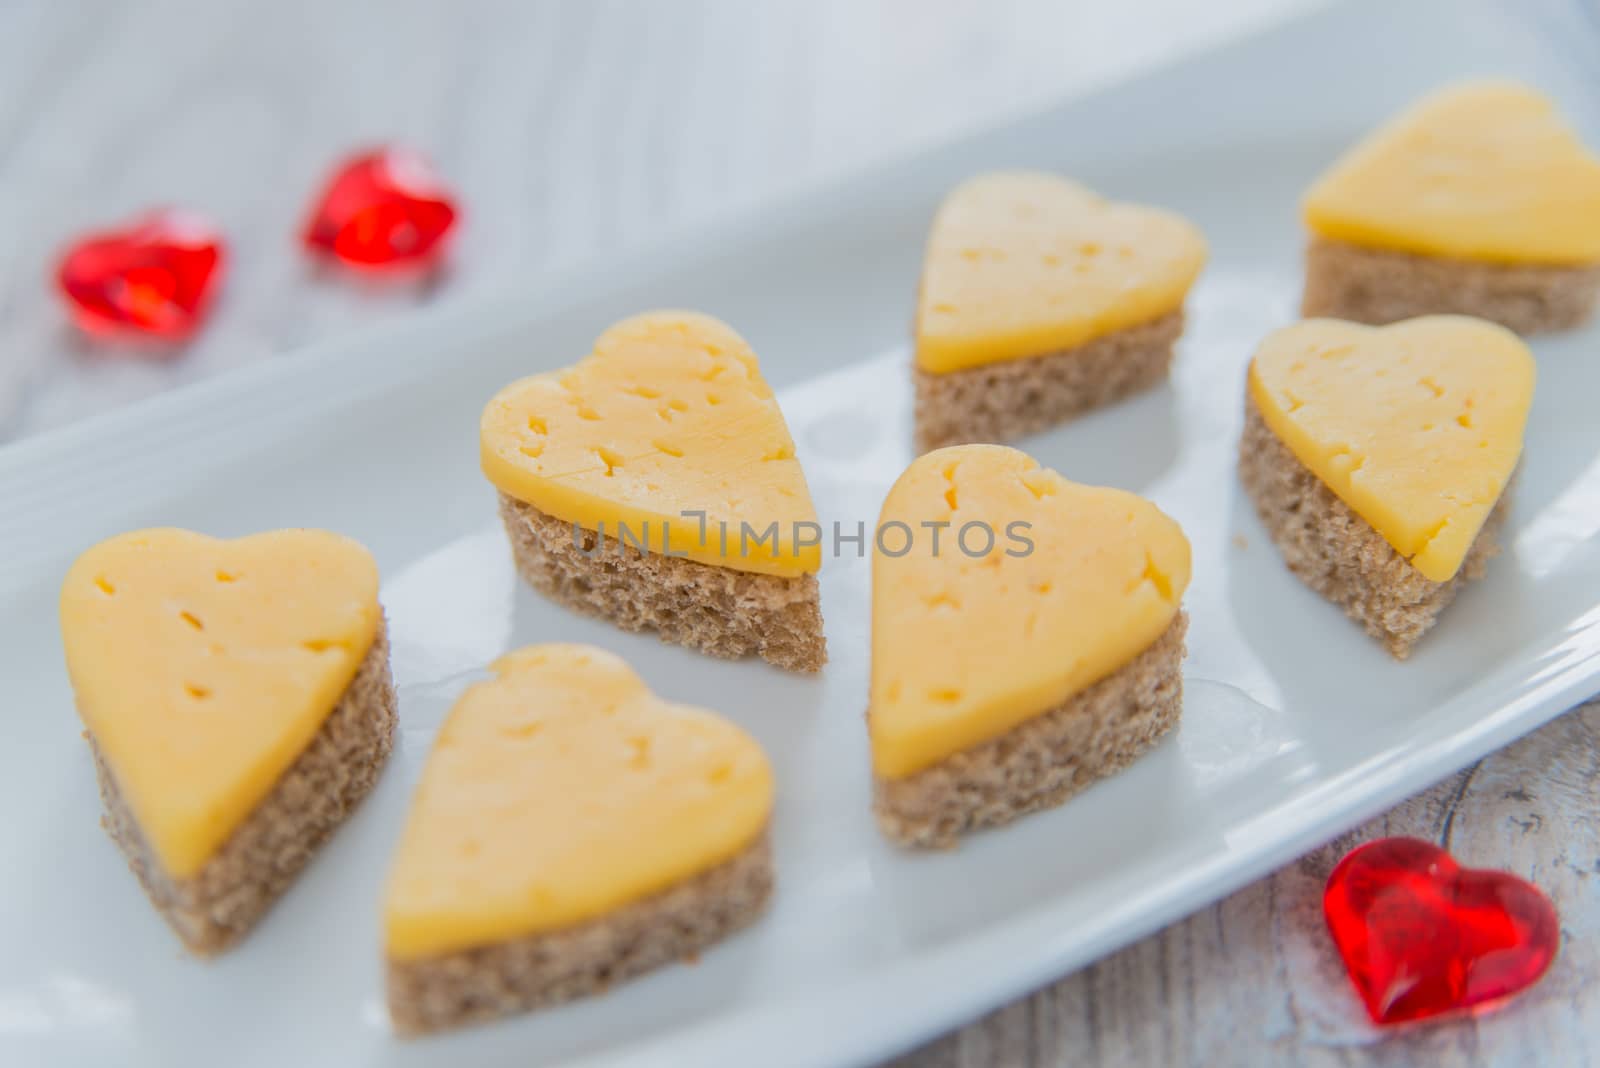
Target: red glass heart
[
  {"x": 1422, "y": 936},
  {"x": 384, "y": 208},
  {"x": 153, "y": 278}
]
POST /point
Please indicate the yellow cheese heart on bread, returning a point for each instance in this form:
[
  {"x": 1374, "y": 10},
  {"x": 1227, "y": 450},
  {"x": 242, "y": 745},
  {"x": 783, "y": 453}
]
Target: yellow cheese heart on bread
[
  {"x": 1024, "y": 264},
  {"x": 1483, "y": 171},
  {"x": 669, "y": 429},
  {"x": 1417, "y": 426},
  {"x": 203, "y": 668},
  {"x": 560, "y": 790},
  {"x": 967, "y": 643}
]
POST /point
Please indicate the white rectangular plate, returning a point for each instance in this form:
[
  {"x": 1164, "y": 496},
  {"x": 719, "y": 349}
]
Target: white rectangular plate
[{"x": 1295, "y": 727}]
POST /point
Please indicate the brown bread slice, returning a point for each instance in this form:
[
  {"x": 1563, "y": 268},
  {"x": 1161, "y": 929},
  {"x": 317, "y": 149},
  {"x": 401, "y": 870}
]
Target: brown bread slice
[
  {"x": 716, "y": 610},
  {"x": 999, "y": 402},
  {"x": 1377, "y": 286}
]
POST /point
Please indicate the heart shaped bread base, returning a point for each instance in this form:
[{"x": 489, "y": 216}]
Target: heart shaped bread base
[{"x": 1422, "y": 936}]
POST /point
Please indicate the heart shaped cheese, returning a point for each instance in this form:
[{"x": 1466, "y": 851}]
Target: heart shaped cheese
[
  {"x": 1027, "y": 264},
  {"x": 668, "y": 428},
  {"x": 1482, "y": 171},
  {"x": 969, "y": 638},
  {"x": 560, "y": 790},
  {"x": 1416, "y": 426},
  {"x": 203, "y": 668}
]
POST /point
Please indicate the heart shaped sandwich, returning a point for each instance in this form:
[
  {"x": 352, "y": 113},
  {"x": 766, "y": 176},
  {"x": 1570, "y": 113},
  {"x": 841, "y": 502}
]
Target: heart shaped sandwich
[
  {"x": 1480, "y": 200},
  {"x": 238, "y": 702},
  {"x": 571, "y": 830},
  {"x": 1027, "y": 639},
  {"x": 1041, "y": 299},
  {"x": 1378, "y": 458},
  {"x": 654, "y": 483}
]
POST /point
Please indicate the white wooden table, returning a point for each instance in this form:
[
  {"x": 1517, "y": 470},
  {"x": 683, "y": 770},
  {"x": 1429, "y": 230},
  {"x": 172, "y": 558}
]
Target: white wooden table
[{"x": 575, "y": 128}]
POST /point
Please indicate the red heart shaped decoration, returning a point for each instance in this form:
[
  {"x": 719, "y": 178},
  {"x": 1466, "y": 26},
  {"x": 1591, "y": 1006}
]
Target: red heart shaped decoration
[
  {"x": 384, "y": 208},
  {"x": 153, "y": 277},
  {"x": 1422, "y": 936}
]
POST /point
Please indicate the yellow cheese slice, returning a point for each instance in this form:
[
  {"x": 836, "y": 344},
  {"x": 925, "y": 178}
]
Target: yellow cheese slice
[
  {"x": 967, "y": 643},
  {"x": 1027, "y": 264},
  {"x": 668, "y": 416},
  {"x": 1484, "y": 171},
  {"x": 1416, "y": 426},
  {"x": 204, "y": 667},
  {"x": 561, "y": 790}
]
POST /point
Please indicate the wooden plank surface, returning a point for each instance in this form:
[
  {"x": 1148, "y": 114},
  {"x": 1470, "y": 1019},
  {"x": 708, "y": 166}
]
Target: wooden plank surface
[{"x": 574, "y": 129}]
